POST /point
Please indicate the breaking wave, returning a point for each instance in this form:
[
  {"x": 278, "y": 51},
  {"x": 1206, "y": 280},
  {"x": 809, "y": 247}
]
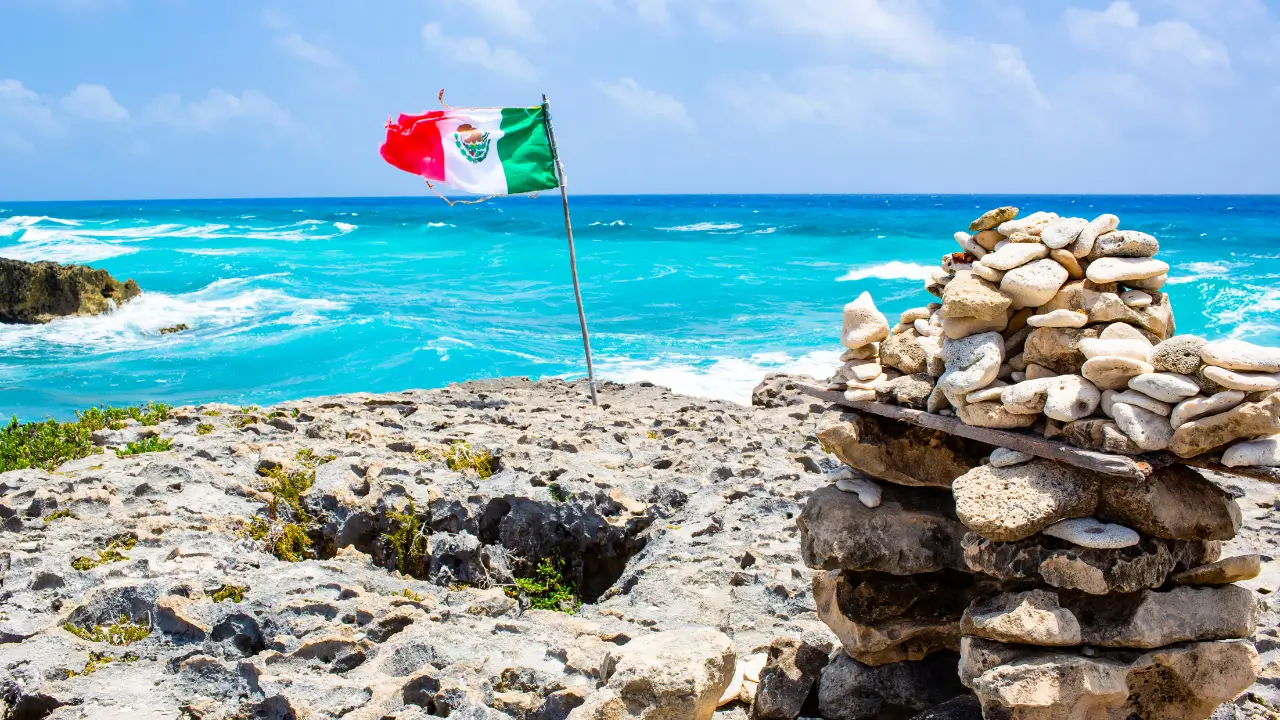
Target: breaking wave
[
  {"x": 892, "y": 270},
  {"x": 719, "y": 378},
  {"x": 704, "y": 227}
]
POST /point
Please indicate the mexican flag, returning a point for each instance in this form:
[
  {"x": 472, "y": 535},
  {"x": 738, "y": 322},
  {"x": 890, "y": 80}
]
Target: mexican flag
[{"x": 488, "y": 151}]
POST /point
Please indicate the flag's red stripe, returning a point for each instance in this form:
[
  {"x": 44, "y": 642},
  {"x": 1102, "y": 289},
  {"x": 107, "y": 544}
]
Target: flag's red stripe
[{"x": 413, "y": 144}]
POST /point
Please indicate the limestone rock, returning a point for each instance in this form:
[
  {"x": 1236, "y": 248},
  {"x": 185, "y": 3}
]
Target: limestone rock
[
  {"x": 1088, "y": 236},
  {"x": 1014, "y": 255},
  {"x": 1124, "y": 244},
  {"x": 1179, "y": 354},
  {"x": 37, "y": 292},
  {"x": 969, "y": 245},
  {"x": 1173, "y": 502},
  {"x": 1060, "y": 564},
  {"x": 1135, "y": 298},
  {"x": 1241, "y": 355},
  {"x": 1100, "y": 347},
  {"x": 882, "y": 618},
  {"x": 1148, "y": 430},
  {"x": 1058, "y": 348},
  {"x": 862, "y": 323},
  {"x": 899, "y": 452},
  {"x": 850, "y": 690},
  {"x": 992, "y": 218},
  {"x": 1246, "y": 381},
  {"x": 1250, "y": 453},
  {"x": 1062, "y": 232},
  {"x": 988, "y": 239},
  {"x": 914, "y": 530},
  {"x": 986, "y": 273},
  {"x": 908, "y": 391},
  {"x": 1196, "y": 407},
  {"x": 1012, "y": 503},
  {"x": 1028, "y": 224},
  {"x": 787, "y": 678},
  {"x": 1165, "y": 387},
  {"x": 1102, "y": 303},
  {"x": 1032, "y": 618},
  {"x": 1004, "y": 457},
  {"x": 1027, "y": 397},
  {"x": 1034, "y": 283},
  {"x": 969, "y": 296},
  {"x": 1090, "y": 533},
  {"x": 1059, "y": 318},
  {"x": 903, "y": 353},
  {"x": 674, "y": 673},
  {"x": 1150, "y": 284},
  {"x": 1112, "y": 372},
  {"x": 1181, "y": 682},
  {"x": 1222, "y": 572},
  {"x": 993, "y": 415},
  {"x": 1070, "y": 397},
  {"x": 1122, "y": 269},
  {"x": 958, "y": 328},
  {"x": 1101, "y": 435},
  {"x": 971, "y": 363},
  {"x": 1248, "y": 420},
  {"x": 1137, "y": 399},
  {"x": 1068, "y": 263}
]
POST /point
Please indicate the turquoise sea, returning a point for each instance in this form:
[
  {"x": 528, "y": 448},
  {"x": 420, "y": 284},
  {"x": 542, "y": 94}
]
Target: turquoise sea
[{"x": 295, "y": 298}]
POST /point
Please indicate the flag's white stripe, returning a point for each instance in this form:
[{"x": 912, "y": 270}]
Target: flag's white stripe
[{"x": 485, "y": 177}]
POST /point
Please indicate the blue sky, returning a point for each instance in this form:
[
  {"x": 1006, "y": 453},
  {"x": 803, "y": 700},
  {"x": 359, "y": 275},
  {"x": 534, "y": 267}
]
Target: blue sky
[{"x": 188, "y": 98}]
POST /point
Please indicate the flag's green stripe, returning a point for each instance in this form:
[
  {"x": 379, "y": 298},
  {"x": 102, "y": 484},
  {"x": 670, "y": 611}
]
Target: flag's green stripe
[{"x": 525, "y": 152}]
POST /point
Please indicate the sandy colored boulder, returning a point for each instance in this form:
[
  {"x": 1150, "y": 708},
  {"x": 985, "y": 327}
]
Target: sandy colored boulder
[
  {"x": 1015, "y": 255},
  {"x": 969, "y": 296},
  {"x": 1241, "y": 355},
  {"x": 993, "y": 415},
  {"x": 914, "y": 530},
  {"x": 959, "y": 328},
  {"x": 904, "y": 353},
  {"x": 37, "y": 292},
  {"x": 1237, "y": 568},
  {"x": 1033, "y": 618},
  {"x": 862, "y": 323},
  {"x": 1173, "y": 502},
  {"x": 1124, "y": 244},
  {"x": 1247, "y": 420},
  {"x": 1058, "y": 348},
  {"x": 992, "y": 218},
  {"x": 1113, "y": 372},
  {"x": 671, "y": 674},
  {"x": 1103, "y": 304},
  {"x": 1012, "y": 503},
  {"x": 899, "y": 452},
  {"x": 1196, "y": 407}
]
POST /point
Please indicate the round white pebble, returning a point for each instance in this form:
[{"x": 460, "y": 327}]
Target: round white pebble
[{"x": 1091, "y": 533}]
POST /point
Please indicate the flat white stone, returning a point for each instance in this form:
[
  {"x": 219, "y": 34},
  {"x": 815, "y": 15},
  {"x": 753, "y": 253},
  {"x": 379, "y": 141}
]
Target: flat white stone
[
  {"x": 1248, "y": 453},
  {"x": 1033, "y": 284},
  {"x": 1070, "y": 397},
  {"x": 987, "y": 273},
  {"x": 1124, "y": 331},
  {"x": 1100, "y": 225},
  {"x": 926, "y": 329},
  {"x": 1118, "y": 347},
  {"x": 1133, "y": 397},
  {"x": 1146, "y": 429},
  {"x": 1117, "y": 269},
  {"x": 1004, "y": 457},
  {"x": 990, "y": 393},
  {"x": 910, "y": 316},
  {"x": 1151, "y": 284},
  {"x": 856, "y": 395},
  {"x": 969, "y": 245},
  {"x": 1166, "y": 387},
  {"x": 1135, "y": 298},
  {"x": 866, "y": 352},
  {"x": 867, "y": 491},
  {"x": 1026, "y": 223},
  {"x": 1247, "y": 381},
  {"x": 865, "y": 371},
  {"x": 1091, "y": 533},
  {"x": 1062, "y": 232},
  {"x": 1241, "y": 355},
  {"x": 1059, "y": 318},
  {"x": 1108, "y": 397},
  {"x": 1113, "y": 372},
  {"x": 1014, "y": 255},
  {"x": 1197, "y": 407},
  {"x": 872, "y": 384}
]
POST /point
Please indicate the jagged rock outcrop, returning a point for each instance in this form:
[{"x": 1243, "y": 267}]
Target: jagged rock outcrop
[{"x": 37, "y": 292}]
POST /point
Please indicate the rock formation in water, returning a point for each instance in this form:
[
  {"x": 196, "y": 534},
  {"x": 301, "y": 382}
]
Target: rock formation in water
[{"x": 37, "y": 292}]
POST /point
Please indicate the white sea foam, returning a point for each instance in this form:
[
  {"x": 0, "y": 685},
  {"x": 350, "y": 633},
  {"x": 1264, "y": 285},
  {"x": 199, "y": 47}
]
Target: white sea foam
[
  {"x": 11, "y": 225},
  {"x": 722, "y": 378},
  {"x": 892, "y": 270},
  {"x": 1204, "y": 270},
  {"x": 615, "y": 223},
  {"x": 224, "y": 309},
  {"x": 703, "y": 227},
  {"x": 440, "y": 224},
  {"x": 58, "y": 246},
  {"x": 345, "y": 228}
]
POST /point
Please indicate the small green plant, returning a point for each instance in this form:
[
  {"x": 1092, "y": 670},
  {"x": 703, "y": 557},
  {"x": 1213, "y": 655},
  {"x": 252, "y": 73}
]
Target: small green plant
[
  {"x": 294, "y": 413},
  {"x": 97, "y": 661},
  {"x": 651, "y": 435},
  {"x": 287, "y": 522},
  {"x": 309, "y": 456},
  {"x": 292, "y": 544},
  {"x": 60, "y": 514},
  {"x": 204, "y": 429},
  {"x": 557, "y": 493},
  {"x": 548, "y": 588},
  {"x": 120, "y": 633},
  {"x": 409, "y": 539},
  {"x": 145, "y": 445},
  {"x": 234, "y": 593},
  {"x": 49, "y": 443},
  {"x": 407, "y": 593},
  {"x": 214, "y": 413},
  {"x": 459, "y": 456},
  {"x": 110, "y": 554},
  {"x": 244, "y": 421}
]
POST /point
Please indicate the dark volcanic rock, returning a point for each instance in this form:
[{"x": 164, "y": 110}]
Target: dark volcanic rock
[
  {"x": 850, "y": 690},
  {"x": 788, "y": 678},
  {"x": 901, "y": 453},
  {"x": 1063, "y": 565},
  {"x": 913, "y": 530},
  {"x": 39, "y": 292}
]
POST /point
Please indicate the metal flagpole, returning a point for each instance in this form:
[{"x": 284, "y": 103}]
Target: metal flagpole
[{"x": 573, "y": 257}]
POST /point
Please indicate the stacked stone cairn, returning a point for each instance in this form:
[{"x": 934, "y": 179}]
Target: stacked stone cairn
[{"x": 1057, "y": 592}]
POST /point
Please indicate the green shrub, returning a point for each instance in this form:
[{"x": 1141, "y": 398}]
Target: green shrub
[
  {"x": 110, "y": 554},
  {"x": 234, "y": 593},
  {"x": 409, "y": 540},
  {"x": 407, "y": 593},
  {"x": 459, "y": 456},
  {"x": 46, "y": 444},
  {"x": 145, "y": 445},
  {"x": 557, "y": 493},
  {"x": 59, "y": 514},
  {"x": 287, "y": 523},
  {"x": 548, "y": 588},
  {"x": 120, "y": 633},
  {"x": 204, "y": 429}
]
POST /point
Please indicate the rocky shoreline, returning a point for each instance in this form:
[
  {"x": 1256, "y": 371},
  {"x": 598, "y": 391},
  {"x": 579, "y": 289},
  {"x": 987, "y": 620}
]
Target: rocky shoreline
[
  {"x": 152, "y": 583},
  {"x": 37, "y": 292}
]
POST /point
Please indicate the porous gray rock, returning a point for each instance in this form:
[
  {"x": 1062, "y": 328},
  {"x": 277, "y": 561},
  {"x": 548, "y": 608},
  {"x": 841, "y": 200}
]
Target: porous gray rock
[
  {"x": 1012, "y": 503},
  {"x": 1179, "y": 354},
  {"x": 914, "y": 530},
  {"x": 1125, "y": 244},
  {"x": 671, "y": 674},
  {"x": 1174, "y": 502},
  {"x": 899, "y": 452},
  {"x": 850, "y": 690}
]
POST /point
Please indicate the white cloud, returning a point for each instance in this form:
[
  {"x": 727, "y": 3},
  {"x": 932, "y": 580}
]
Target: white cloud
[
  {"x": 506, "y": 16},
  {"x": 895, "y": 29},
  {"x": 1119, "y": 29},
  {"x": 217, "y": 109},
  {"x": 646, "y": 104},
  {"x": 653, "y": 11},
  {"x": 24, "y": 115},
  {"x": 297, "y": 46},
  {"x": 94, "y": 102},
  {"x": 477, "y": 51}
]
